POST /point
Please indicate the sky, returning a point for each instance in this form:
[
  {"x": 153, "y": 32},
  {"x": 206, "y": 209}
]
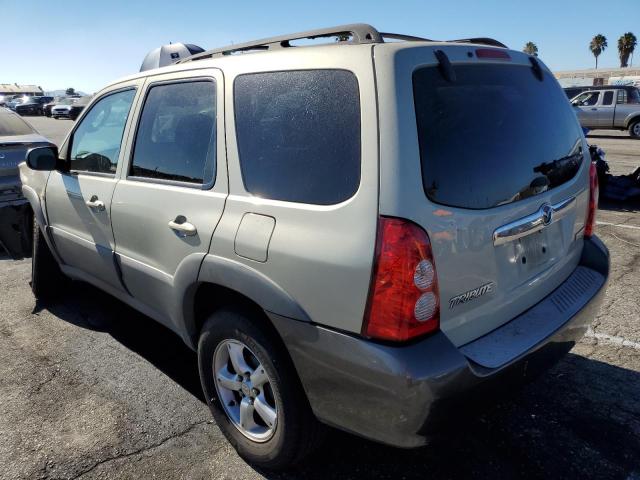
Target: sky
[{"x": 88, "y": 44}]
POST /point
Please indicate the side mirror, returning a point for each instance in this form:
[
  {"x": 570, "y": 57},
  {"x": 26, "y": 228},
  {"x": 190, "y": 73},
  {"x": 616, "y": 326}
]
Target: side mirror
[{"x": 42, "y": 158}]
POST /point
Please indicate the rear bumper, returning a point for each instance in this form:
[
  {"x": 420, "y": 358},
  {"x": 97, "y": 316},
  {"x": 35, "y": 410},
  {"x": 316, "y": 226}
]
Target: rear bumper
[{"x": 400, "y": 395}]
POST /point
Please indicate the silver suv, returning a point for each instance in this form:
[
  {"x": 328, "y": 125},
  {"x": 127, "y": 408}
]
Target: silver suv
[{"x": 361, "y": 234}]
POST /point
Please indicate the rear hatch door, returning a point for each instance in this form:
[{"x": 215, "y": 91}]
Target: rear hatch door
[{"x": 502, "y": 171}]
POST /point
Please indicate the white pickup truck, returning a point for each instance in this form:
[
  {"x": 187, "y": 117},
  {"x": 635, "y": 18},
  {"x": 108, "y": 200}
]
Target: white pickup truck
[{"x": 610, "y": 107}]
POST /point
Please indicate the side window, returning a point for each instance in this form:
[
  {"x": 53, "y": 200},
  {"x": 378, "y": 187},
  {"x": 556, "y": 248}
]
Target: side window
[
  {"x": 622, "y": 97},
  {"x": 608, "y": 98},
  {"x": 95, "y": 145},
  {"x": 299, "y": 135},
  {"x": 176, "y": 136}
]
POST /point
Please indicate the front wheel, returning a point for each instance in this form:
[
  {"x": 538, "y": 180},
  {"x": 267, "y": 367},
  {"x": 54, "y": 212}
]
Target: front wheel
[
  {"x": 634, "y": 129},
  {"x": 254, "y": 392}
]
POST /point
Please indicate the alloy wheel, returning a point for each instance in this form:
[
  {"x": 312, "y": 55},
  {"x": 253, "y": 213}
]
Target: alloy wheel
[{"x": 245, "y": 390}]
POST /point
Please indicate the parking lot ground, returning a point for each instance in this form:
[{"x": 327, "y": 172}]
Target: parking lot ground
[{"x": 92, "y": 389}]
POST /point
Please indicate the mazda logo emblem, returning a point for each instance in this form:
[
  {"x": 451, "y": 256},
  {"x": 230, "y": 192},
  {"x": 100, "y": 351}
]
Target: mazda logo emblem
[{"x": 547, "y": 213}]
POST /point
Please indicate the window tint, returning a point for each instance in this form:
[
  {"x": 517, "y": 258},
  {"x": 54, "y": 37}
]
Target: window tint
[
  {"x": 486, "y": 139},
  {"x": 299, "y": 135},
  {"x": 608, "y": 98},
  {"x": 622, "y": 96},
  {"x": 176, "y": 135},
  {"x": 96, "y": 142}
]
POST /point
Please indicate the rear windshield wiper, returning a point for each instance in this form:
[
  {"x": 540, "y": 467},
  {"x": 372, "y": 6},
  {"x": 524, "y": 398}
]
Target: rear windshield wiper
[{"x": 547, "y": 167}]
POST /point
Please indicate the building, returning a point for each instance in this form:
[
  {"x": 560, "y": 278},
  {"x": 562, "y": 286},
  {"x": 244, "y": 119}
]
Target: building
[
  {"x": 15, "y": 89},
  {"x": 602, "y": 76}
]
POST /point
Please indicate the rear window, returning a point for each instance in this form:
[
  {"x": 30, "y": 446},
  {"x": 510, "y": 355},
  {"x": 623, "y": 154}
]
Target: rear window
[
  {"x": 299, "y": 135},
  {"x": 11, "y": 124},
  {"x": 494, "y": 136}
]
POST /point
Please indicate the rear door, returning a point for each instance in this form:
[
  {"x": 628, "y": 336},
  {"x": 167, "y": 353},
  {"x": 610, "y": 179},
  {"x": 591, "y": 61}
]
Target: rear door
[
  {"x": 173, "y": 188},
  {"x": 607, "y": 108},
  {"x": 78, "y": 199},
  {"x": 476, "y": 158}
]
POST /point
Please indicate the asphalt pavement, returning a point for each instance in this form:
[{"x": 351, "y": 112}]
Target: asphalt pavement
[{"x": 91, "y": 389}]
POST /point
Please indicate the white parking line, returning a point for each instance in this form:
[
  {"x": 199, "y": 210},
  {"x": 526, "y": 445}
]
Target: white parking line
[
  {"x": 620, "y": 225},
  {"x": 611, "y": 340}
]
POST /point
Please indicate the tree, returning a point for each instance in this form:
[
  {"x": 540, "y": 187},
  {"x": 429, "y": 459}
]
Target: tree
[
  {"x": 531, "y": 49},
  {"x": 70, "y": 91},
  {"x": 598, "y": 45},
  {"x": 626, "y": 45}
]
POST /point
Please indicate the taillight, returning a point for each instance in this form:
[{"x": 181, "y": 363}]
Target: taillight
[
  {"x": 403, "y": 298},
  {"x": 593, "y": 201}
]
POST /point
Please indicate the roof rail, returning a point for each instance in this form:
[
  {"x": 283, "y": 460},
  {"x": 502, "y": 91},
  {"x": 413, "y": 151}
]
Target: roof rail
[
  {"x": 482, "y": 41},
  {"x": 359, "y": 33}
]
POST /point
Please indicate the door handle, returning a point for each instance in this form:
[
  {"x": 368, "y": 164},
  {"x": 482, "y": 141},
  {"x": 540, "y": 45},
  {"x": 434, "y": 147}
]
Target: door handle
[
  {"x": 182, "y": 227},
  {"x": 594, "y": 109},
  {"x": 95, "y": 203},
  {"x": 546, "y": 215}
]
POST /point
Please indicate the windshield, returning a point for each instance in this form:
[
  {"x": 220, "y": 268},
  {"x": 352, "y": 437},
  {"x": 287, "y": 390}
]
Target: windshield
[
  {"x": 11, "y": 124},
  {"x": 495, "y": 135},
  {"x": 67, "y": 101}
]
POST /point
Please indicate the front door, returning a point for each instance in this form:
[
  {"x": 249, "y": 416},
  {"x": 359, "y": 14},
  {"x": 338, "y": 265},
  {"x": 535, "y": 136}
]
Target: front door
[
  {"x": 172, "y": 192},
  {"x": 587, "y": 108},
  {"x": 78, "y": 199}
]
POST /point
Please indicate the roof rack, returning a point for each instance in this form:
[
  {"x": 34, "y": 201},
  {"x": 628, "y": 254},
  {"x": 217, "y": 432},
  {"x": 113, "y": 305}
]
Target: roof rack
[{"x": 358, "y": 33}]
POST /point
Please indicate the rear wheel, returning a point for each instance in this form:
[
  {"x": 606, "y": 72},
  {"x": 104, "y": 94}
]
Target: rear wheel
[
  {"x": 254, "y": 393},
  {"x": 634, "y": 129},
  {"x": 47, "y": 280}
]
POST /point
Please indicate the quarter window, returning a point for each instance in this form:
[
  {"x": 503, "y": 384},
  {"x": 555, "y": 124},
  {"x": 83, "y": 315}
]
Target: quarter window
[
  {"x": 622, "y": 97},
  {"x": 95, "y": 145},
  {"x": 176, "y": 136},
  {"x": 299, "y": 135}
]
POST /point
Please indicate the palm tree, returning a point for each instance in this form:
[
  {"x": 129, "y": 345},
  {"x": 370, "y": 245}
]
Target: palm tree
[
  {"x": 531, "y": 49},
  {"x": 626, "y": 45},
  {"x": 598, "y": 45}
]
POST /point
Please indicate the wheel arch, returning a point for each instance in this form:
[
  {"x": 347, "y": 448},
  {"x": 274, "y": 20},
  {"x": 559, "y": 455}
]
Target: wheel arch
[
  {"x": 631, "y": 120},
  {"x": 224, "y": 282}
]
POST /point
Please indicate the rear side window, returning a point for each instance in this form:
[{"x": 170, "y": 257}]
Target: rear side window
[
  {"x": 299, "y": 135},
  {"x": 608, "y": 98},
  {"x": 176, "y": 135},
  {"x": 495, "y": 135}
]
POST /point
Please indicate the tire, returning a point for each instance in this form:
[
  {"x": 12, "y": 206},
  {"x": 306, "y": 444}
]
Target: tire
[
  {"x": 634, "y": 129},
  {"x": 47, "y": 280},
  {"x": 295, "y": 432}
]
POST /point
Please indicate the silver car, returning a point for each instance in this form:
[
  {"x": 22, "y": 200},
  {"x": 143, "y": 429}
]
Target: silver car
[
  {"x": 16, "y": 138},
  {"x": 610, "y": 108},
  {"x": 364, "y": 234}
]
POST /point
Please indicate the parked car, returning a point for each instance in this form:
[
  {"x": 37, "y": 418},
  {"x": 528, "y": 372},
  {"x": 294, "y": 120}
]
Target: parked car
[
  {"x": 610, "y": 108},
  {"x": 16, "y": 228},
  {"x": 15, "y": 100},
  {"x": 63, "y": 108},
  {"x": 78, "y": 106},
  {"x": 49, "y": 105},
  {"x": 330, "y": 231},
  {"x": 33, "y": 106}
]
